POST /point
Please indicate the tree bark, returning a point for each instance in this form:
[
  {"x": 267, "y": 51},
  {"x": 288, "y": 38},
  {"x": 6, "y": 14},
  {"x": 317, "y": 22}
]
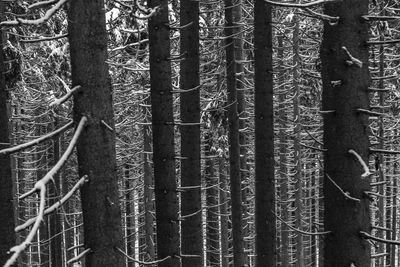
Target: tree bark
[
  {"x": 345, "y": 84},
  {"x": 7, "y": 224},
  {"x": 191, "y": 226},
  {"x": 212, "y": 223},
  {"x": 233, "y": 137},
  {"x": 168, "y": 236},
  {"x": 264, "y": 137},
  {"x": 96, "y": 146}
]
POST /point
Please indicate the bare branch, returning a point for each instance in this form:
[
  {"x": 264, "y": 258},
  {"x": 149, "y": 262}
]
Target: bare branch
[
  {"x": 36, "y": 141},
  {"x": 301, "y": 5},
  {"x": 55, "y": 206},
  {"x": 41, "y": 20},
  {"x": 142, "y": 262},
  {"x": 64, "y": 98},
  {"x": 362, "y": 162}
]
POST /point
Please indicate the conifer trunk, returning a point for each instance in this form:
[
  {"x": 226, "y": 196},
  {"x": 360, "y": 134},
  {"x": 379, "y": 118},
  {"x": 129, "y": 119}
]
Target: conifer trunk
[
  {"x": 191, "y": 226},
  {"x": 7, "y": 234},
  {"x": 168, "y": 236},
  {"x": 96, "y": 146},
  {"x": 345, "y": 85},
  {"x": 264, "y": 137}
]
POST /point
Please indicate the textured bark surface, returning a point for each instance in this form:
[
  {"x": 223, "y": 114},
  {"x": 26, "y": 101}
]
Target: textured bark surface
[
  {"x": 168, "y": 236},
  {"x": 344, "y": 91},
  {"x": 96, "y": 146},
  {"x": 233, "y": 138},
  {"x": 264, "y": 137},
  {"x": 191, "y": 226},
  {"x": 7, "y": 234}
]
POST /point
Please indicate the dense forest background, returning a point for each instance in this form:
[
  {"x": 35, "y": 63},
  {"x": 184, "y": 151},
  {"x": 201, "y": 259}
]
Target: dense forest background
[{"x": 199, "y": 133}]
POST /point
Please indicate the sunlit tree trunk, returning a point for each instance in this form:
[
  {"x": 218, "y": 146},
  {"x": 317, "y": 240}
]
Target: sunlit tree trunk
[{"x": 96, "y": 146}]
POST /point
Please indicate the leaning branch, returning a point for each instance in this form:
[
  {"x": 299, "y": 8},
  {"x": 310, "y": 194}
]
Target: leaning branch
[
  {"x": 36, "y": 141},
  {"x": 40, "y": 187},
  {"x": 55, "y": 206},
  {"x": 62, "y": 160},
  {"x": 64, "y": 98},
  {"x": 300, "y": 231}
]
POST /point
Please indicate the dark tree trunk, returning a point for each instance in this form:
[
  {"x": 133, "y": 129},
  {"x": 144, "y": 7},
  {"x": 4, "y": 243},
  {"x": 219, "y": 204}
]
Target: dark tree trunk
[
  {"x": 55, "y": 218},
  {"x": 191, "y": 226},
  {"x": 345, "y": 84},
  {"x": 233, "y": 137},
  {"x": 96, "y": 146},
  {"x": 168, "y": 236},
  {"x": 264, "y": 137},
  {"x": 7, "y": 234}
]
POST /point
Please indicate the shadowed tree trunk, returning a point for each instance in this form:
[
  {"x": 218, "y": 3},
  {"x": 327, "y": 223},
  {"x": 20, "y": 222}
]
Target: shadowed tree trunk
[
  {"x": 168, "y": 235},
  {"x": 345, "y": 77},
  {"x": 191, "y": 226},
  {"x": 264, "y": 137},
  {"x": 233, "y": 137},
  {"x": 96, "y": 146},
  {"x": 7, "y": 234}
]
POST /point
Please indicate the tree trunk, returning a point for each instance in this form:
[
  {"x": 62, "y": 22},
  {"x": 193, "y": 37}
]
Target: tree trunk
[
  {"x": 7, "y": 234},
  {"x": 212, "y": 233},
  {"x": 223, "y": 211},
  {"x": 96, "y": 146},
  {"x": 345, "y": 85},
  {"x": 168, "y": 236},
  {"x": 296, "y": 144},
  {"x": 55, "y": 218},
  {"x": 264, "y": 137},
  {"x": 233, "y": 137},
  {"x": 191, "y": 226},
  {"x": 148, "y": 184}
]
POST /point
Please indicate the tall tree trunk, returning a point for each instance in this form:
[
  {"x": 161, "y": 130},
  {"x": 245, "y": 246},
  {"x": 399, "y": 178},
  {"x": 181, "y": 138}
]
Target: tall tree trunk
[
  {"x": 148, "y": 184},
  {"x": 264, "y": 137},
  {"x": 7, "y": 234},
  {"x": 283, "y": 170},
  {"x": 130, "y": 231},
  {"x": 233, "y": 137},
  {"x": 223, "y": 211},
  {"x": 345, "y": 77},
  {"x": 191, "y": 226},
  {"x": 55, "y": 218},
  {"x": 296, "y": 143},
  {"x": 212, "y": 233},
  {"x": 96, "y": 146},
  {"x": 168, "y": 235}
]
